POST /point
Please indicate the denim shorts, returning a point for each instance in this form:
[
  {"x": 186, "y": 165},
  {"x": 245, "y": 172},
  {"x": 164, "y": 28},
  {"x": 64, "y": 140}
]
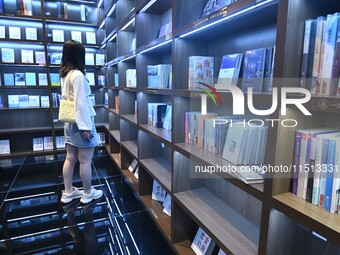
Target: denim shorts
[{"x": 75, "y": 137}]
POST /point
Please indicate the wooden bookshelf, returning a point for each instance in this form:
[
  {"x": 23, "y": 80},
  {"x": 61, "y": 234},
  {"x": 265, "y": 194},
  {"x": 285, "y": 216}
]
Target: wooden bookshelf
[
  {"x": 219, "y": 220},
  {"x": 131, "y": 146},
  {"x": 131, "y": 179}
]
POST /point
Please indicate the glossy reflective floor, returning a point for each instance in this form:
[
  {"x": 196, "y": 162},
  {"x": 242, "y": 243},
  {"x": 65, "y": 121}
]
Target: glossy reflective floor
[{"x": 33, "y": 221}]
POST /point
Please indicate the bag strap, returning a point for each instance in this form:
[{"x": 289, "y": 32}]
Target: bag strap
[{"x": 68, "y": 84}]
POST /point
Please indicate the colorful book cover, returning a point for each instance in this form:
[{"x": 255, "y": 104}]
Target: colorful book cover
[
  {"x": 54, "y": 77},
  {"x": 214, "y": 5},
  {"x": 7, "y": 55},
  {"x": 253, "y": 69},
  {"x": 296, "y": 161},
  {"x": 201, "y": 69},
  {"x": 19, "y": 79},
  {"x": 330, "y": 173},
  {"x": 101, "y": 80},
  {"x": 23, "y": 101},
  {"x": 55, "y": 58},
  {"x": 229, "y": 70},
  {"x": 27, "y": 56}
]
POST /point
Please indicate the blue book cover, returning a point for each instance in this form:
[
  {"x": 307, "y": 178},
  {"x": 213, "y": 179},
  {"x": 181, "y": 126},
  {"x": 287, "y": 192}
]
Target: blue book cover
[
  {"x": 214, "y": 5},
  {"x": 330, "y": 172},
  {"x": 8, "y": 79},
  {"x": 55, "y": 58},
  {"x": 253, "y": 69},
  {"x": 229, "y": 70},
  {"x": 1, "y": 6}
]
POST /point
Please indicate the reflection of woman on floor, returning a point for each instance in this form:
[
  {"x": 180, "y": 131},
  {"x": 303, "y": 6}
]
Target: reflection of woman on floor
[{"x": 85, "y": 241}]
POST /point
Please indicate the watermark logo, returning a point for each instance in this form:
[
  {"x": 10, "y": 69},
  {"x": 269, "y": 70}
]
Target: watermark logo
[{"x": 213, "y": 90}]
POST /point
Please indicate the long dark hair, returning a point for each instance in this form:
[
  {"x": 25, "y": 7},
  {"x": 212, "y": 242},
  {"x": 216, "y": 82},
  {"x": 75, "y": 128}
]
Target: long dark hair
[{"x": 73, "y": 58}]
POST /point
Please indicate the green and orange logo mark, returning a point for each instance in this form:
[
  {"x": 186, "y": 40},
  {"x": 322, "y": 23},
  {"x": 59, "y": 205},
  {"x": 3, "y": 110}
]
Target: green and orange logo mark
[{"x": 214, "y": 92}]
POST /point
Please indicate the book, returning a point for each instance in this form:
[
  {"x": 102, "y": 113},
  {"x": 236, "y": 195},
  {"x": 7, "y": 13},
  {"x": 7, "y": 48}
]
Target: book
[
  {"x": 38, "y": 144},
  {"x": 19, "y": 79},
  {"x": 133, "y": 44},
  {"x": 165, "y": 29},
  {"x": 136, "y": 173},
  {"x": 90, "y": 78},
  {"x": 28, "y": 7},
  {"x": 40, "y": 57},
  {"x": 229, "y": 70},
  {"x": 34, "y": 101},
  {"x": 48, "y": 143},
  {"x": 54, "y": 78},
  {"x": 156, "y": 114},
  {"x": 7, "y": 55},
  {"x": 201, "y": 69},
  {"x": 158, "y": 193},
  {"x": 253, "y": 69},
  {"x": 213, "y": 5},
  {"x": 45, "y": 101},
  {"x": 1, "y": 102},
  {"x": 58, "y": 35},
  {"x": 14, "y": 33},
  {"x": 89, "y": 59},
  {"x": 132, "y": 167},
  {"x": 106, "y": 99},
  {"x": 60, "y": 142},
  {"x": 167, "y": 205},
  {"x": 76, "y": 36},
  {"x": 91, "y": 38},
  {"x": 13, "y": 101},
  {"x": 8, "y": 79},
  {"x": 296, "y": 161},
  {"x": 31, "y": 33},
  {"x": 131, "y": 78},
  {"x": 202, "y": 243},
  {"x": 83, "y": 12},
  {"x": 167, "y": 118},
  {"x": 5, "y": 147},
  {"x": 23, "y": 101},
  {"x": 2, "y": 32},
  {"x": 42, "y": 79},
  {"x": 101, "y": 137},
  {"x": 100, "y": 59},
  {"x": 331, "y": 30},
  {"x": 30, "y": 79},
  {"x": 116, "y": 80},
  {"x": 55, "y": 58},
  {"x": 27, "y": 56},
  {"x": 250, "y": 175},
  {"x": 101, "y": 80}
]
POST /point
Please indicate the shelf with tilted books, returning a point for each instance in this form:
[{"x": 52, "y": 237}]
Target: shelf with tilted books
[
  {"x": 126, "y": 162},
  {"x": 153, "y": 196},
  {"x": 156, "y": 161},
  {"x": 29, "y": 10}
]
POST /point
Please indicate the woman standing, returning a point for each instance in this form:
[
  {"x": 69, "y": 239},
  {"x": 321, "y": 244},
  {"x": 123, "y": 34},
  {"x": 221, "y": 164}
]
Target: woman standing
[{"x": 80, "y": 137}]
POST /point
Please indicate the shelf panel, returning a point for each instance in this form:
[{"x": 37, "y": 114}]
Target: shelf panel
[
  {"x": 132, "y": 179},
  {"x": 159, "y": 168},
  {"x": 25, "y": 130},
  {"x": 229, "y": 229},
  {"x": 204, "y": 157},
  {"x": 115, "y": 157},
  {"x": 156, "y": 210},
  {"x": 24, "y": 87},
  {"x": 131, "y": 146},
  {"x": 166, "y": 92},
  {"x": 115, "y": 134},
  {"x": 130, "y": 117},
  {"x": 313, "y": 217},
  {"x": 20, "y": 17},
  {"x": 115, "y": 111},
  {"x": 159, "y": 132},
  {"x": 184, "y": 248},
  {"x": 71, "y": 22}
]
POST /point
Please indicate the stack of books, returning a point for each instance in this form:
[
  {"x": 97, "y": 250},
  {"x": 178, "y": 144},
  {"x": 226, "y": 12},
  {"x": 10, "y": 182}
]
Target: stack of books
[{"x": 159, "y": 76}]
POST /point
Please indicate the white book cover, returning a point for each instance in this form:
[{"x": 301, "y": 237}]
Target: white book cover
[
  {"x": 58, "y": 35},
  {"x": 132, "y": 167},
  {"x": 48, "y": 143},
  {"x": 60, "y": 142},
  {"x": 45, "y": 101},
  {"x": 27, "y": 56},
  {"x": 167, "y": 118},
  {"x": 100, "y": 59},
  {"x": 38, "y": 144},
  {"x": 19, "y": 79},
  {"x": 89, "y": 59},
  {"x": 4, "y": 147},
  {"x": 101, "y": 137},
  {"x": 23, "y": 101},
  {"x": 90, "y": 78},
  {"x": 232, "y": 147},
  {"x": 76, "y": 36},
  {"x": 220, "y": 252},
  {"x": 167, "y": 205},
  {"x": 42, "y": 79},
  {"x": 202, "y": 243},
  {"x": 201, "y": 69},
  {"x": 40, "y": 57},
  {"x": 136, "y": 173},
  {"x": 158, "y": 193},
  {"x": 31, "y": 33},
  {"x": 83, "y": 10},
  {"x": 131, "y": 78},
  {"x": 14, "y": 33},
  {"x": 90, "y": 37},
  {"x": 329, "y": 51},
  {"x": 2, "y": 32},
  {"x": 34, "y": 100},
  {"x": 13, "y": 101},
  {"x": 7, "y": 55},
  {"x": 30, "y": 79}
]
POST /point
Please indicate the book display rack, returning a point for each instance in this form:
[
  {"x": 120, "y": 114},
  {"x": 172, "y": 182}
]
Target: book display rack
[{"x": 141, "y": 39}]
